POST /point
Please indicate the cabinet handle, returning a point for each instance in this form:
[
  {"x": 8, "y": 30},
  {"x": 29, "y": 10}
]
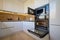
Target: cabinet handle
[
  {"x": 55, "y": 24},
  {"x": 6, "y": 28}
]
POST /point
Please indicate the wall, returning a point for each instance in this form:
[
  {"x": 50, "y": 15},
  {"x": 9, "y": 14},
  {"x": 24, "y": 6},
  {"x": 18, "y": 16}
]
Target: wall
[
  {"x": 34, "y": 4},
  {"x": 28, "y": 3},
  {"x": 39, "y": 3},
  {"x": 1, "y": 4},
  {"x": 17, "y": 6},
  {"x": 13, "y": 5}
]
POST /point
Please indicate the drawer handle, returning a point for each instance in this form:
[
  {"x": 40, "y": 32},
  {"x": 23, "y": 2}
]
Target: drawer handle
[
  {"x": 55, "y": 24},
  {"x": 6, "y": 28}
]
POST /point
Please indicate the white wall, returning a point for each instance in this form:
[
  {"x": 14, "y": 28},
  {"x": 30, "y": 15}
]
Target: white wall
[
  {"x": 28, "y": 3},
  {"x": 12, "y": 5},
  {"x": 34, "y": 4},
  {"x": 18, "y": 6},
  {"x": 1, "y": 6},
  {"x": 39, "y": 3}
]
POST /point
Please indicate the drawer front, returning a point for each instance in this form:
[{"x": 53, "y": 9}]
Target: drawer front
[{"x": 8, "y": 31}]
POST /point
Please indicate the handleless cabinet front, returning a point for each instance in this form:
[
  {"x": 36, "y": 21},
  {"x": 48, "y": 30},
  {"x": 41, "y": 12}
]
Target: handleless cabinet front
[{"x": 8, "y": 28}]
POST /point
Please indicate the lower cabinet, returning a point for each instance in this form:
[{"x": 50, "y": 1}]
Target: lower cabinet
[
  {"x": 7, "y": 28},
  {"x": 54, "y": 32},
  {"x": 5, "y": 31},
  {"x": 28, "y": 25}
]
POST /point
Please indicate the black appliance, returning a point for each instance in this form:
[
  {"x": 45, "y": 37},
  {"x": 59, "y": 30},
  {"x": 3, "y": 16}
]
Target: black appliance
[
  {"x": 31, "y": 11},
  {"x": 41, "y": 20}
]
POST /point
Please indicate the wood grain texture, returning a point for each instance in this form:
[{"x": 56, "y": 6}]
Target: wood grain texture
[
  {"x": 18, "y": 36},
  {"x": 14, "y": 16}
]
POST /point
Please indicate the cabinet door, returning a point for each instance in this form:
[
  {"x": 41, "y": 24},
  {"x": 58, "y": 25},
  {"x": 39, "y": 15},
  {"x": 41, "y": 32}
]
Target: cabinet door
[
  {"x": 28, "y": 25},
  {"x": 16, "y": 25},
  {"x": 54, "y": 32},
  {"x": 7, "y": 28},
  {"x": 54, "y": 13}
]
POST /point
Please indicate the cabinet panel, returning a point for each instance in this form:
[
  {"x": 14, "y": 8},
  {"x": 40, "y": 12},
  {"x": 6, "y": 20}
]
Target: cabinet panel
[
  {"x": 5, "y": 31},
  {"x": 7, "y": 28},
  {"x": 8, "y": 17},
  {"x": 54, "y": 32},
  {"x": 12, "y": 16},
  {"x": 28, "y": 25}
]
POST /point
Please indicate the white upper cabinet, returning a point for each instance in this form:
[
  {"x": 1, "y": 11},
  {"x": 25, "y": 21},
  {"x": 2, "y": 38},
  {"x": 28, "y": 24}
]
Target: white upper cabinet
[
  {"x": 52, "y": 12},
  {"x": 55, "y": 12}
]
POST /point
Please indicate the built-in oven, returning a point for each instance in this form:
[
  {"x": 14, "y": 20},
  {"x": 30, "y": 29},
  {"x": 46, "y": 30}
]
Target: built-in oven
[{"x": 41, "y": 20}]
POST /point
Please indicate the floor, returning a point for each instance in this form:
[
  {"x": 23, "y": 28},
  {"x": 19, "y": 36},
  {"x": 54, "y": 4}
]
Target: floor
[
  {"x": 18, "y": 36},
  {"x": 37, "y": 38}
]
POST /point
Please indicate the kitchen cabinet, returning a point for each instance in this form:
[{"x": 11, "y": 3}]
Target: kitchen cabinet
[
  {"x": 5, "y": 16},
  {"x": 54, "y": 20},
  {"x": 28, "y": 25},
  {"x": 54, "y": 32},
  {"x": 8, "y": 28},
  {"x": 13, "y": 16}
]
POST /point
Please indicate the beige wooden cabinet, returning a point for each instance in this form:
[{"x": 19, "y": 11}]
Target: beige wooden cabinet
[{"x": 13, "y": 16}]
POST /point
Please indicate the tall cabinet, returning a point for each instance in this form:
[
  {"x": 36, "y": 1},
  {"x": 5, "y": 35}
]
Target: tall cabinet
[{"x": 54, "y": 20}]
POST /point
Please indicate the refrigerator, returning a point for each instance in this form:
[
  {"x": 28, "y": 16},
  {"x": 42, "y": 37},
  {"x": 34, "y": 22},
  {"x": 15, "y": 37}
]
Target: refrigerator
[{"x": 54, "y": 23}]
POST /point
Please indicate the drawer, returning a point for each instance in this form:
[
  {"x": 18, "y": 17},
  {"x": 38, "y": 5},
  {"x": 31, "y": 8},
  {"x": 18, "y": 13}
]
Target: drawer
[{"x": 6, "y": 31}]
